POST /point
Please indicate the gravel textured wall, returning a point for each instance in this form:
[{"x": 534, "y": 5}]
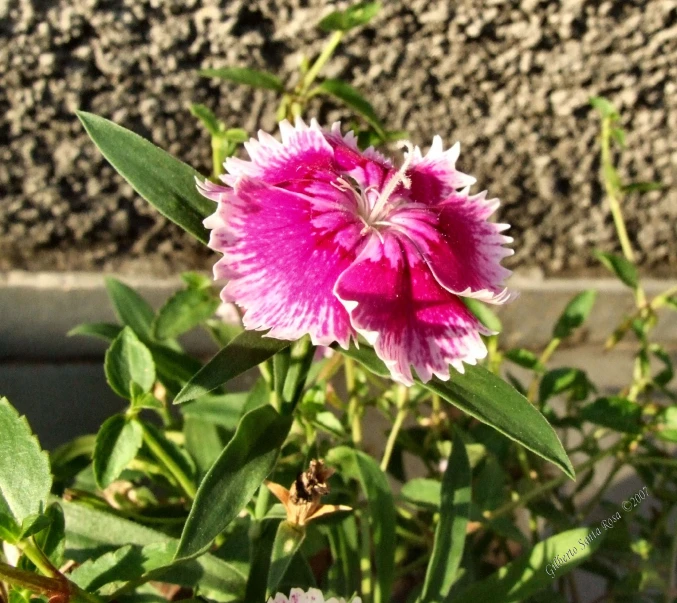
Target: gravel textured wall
[{"x": 510, "y": 80}]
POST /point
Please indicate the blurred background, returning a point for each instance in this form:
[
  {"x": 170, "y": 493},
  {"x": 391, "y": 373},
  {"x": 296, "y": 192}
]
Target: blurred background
[{"x": 509, "y": 80}]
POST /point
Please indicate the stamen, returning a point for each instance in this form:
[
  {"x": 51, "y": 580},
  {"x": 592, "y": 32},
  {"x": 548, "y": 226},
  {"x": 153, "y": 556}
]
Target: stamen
[{"x": 399, "y": 177}]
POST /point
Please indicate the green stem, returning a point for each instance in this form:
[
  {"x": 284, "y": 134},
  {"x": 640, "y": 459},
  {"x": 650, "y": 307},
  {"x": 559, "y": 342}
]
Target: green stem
[
  {"x": 169, "y": 464},
  {"x": 365, "y": 558},
  {"x": 354, "y": 409},
  {"x": 320, "y": 62},
  {"x": 38, "y": 558},
  {"x": 611, "y": 192},
  {"x": 34, "y": 582},
  {"x": 592, "y": 504},
  {"x": 553, "y": 483},
  {"x": 402, "y": 396},
  {"x": 671, "y": 586},
  {"x": 544, "y": 358}
]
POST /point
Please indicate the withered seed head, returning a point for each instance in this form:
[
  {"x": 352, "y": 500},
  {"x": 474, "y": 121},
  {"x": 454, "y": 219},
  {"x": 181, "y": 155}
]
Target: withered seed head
[
  {"x": 312, "y": 484},
  {"x": 302, "y": 500}
]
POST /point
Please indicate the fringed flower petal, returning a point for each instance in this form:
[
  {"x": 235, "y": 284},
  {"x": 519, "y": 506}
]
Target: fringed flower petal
[
  {"x": 284, "y": 258},
  {"x": 399, "y": 307}
]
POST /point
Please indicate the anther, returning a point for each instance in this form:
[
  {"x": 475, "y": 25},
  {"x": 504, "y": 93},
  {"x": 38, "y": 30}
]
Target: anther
[{"x": 399, "y": 177}]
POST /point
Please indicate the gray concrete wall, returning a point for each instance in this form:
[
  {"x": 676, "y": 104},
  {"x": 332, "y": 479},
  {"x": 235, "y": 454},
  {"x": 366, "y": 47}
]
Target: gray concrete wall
[{"x": 510, "y": 80}]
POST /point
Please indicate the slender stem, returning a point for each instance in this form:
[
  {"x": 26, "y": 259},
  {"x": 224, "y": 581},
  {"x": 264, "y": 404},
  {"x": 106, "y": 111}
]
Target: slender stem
[
  {"x": 402, "y": 410},
  {"x": 354, "y": 409},
  {"x": 169, "y": 464},
  {"x": 365, "y": 558},
  {"x": 552, "y": 483},
  {"x": 34, "y": 582},
  {"x": 611, "y": 192},
  {"x": 671, "y": 586},
  {"x": 38, "y": 558},
  {"x": 544, "y": 358},
  {"x": 321, "y": 60},
  {"x": 601, "y": 491}
]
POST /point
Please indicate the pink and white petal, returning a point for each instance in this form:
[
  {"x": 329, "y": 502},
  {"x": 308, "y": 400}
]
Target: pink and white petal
[
  {"x": 462, "y": 249},
  {"x": 303, "y": 153},
  {"x": 395, "y": 302},
  {"x": 286, "y": 263},
  {"x": 279, "y": 598},
  {"x": 434, "y": 176}
]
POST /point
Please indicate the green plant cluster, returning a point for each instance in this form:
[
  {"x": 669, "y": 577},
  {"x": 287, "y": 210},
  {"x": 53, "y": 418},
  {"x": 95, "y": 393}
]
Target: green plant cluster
[{"x": 168, "y": 501}]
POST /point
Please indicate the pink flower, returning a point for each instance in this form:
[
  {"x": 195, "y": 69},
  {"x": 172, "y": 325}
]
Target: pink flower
[
  {"x": 321, "y": 238},
  {"x": 312, "y": 596}
]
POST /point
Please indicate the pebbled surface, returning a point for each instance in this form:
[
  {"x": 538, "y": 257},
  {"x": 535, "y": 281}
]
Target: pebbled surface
[{"x": 510, "y": 80}]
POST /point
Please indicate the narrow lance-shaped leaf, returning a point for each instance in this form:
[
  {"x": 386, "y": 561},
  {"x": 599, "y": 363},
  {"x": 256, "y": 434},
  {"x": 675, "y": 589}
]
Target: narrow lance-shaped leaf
[
  {"x": 247, "y": 350},
  {"x": 351, "y": 97},
  {"x": 165, "y": 182},
  {"x": 131, "y": 308},
  {"x": 234, "y": 478},
  {"x": 535, "y": 570},
  {"x": 246, "y": 76},
  {"x": 381, "y": 506},
  {"x": 207, "y": 117},
  {"x": 622, "y": 268},
  {"x": 356, "y": 15},
  {"x": 288, "y": 541},
  {"x": 575, "y": 314},
  {"x": 451, "y": 530},
  {"x": 25, "y": 479},
  {"x": 101, "y": 330},
  {"x": 489, "y": 399}
]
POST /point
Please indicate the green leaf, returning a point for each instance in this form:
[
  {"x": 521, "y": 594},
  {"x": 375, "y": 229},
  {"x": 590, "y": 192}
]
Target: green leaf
[
  {"x": 451, "y": 529},
  {"x": 127, "y": 360},
  {"x": 622, "y": 268},
  {"x": 131, "y": 308},
  {"x": 52, "y": 540},
  {"x": 288, "y": 540},
  {"x": 616, "y": 413},
  {"x": 165, "y": 182},
  {"x": 183, "y": 311},
  {"x": 605, "y": 108},
  {"x": 575, "y": 314},
  {"x": 382, "y": 516},
  {"x": 246, "y": 76},
  {"x": 482, "y": 312},
  {"x": 524, "y": 358},
  {"x": 204, "y": 441},
  {"x": 100, "y": 330},
  {"x": 236, "y": 135},
  {"x": 423, "y": 492},
  {"x": 25, "y": 479},
  {"x": 34, "y": 524},
  {"x": 247, "y": 350},
  {"x": 212, "y": 124},
  {"x": 234, "y": 478},
  {"x": 531, "y": 572},
  {"x": 343, "y": 20},
  {"x": 667, "y": 374},
  {"x": 489, "y": 399},
  {"x": 91, "y": 532},
  {"x": 225, "y": 410},
  {"x": 196, "y": 280},
  {"x": 642, "y": 187},
  {"x": 117, "y": 443},
  {"x": 564, "y": 379},
  {"x": 353, "y": 99},
  {"x": 68, "y": 459}
]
